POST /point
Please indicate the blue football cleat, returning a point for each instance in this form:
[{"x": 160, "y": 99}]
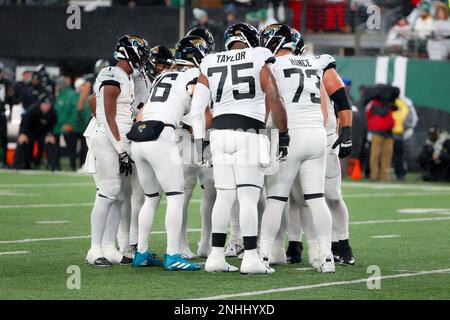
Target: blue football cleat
[
  {"x": 176, "y": 262},
  {"x": 146, "y": 259}
]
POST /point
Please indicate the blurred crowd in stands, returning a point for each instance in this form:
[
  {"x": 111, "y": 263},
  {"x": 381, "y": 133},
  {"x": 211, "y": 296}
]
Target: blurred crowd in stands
[
  {"x": 54, "y": 114},
  {"x": 418, "y": 28}
]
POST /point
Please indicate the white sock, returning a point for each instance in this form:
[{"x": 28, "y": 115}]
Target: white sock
[
  {"x": 206, "y": 207},
  {"x": 174, "y": 220},
  {"x": 248, "y": 210},
  {"x": 145, "y": 222},
  {"x": 235, "y": 228},
  {"x": 294, "y": 227},
  {"x": 183, "y": 235},
  {"x": 221, "y": 211},
  {"x": 99, "y": 217},
  {"x": 112, "y": 224},
  {"x": 137, "y": 201},
  {"x": 279, "y": 238},
  {"x": 270, "y": 225},
  {"x": 307, "y": 222},
  {"x": 123, "y": 235},
  {"x": 339, "y": 213},
  {"x": 218, "y": 252},
  {"x": 321, "y": 218},
  {"x": 262, "y": 203}
]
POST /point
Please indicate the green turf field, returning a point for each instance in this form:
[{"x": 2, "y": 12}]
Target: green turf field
[{"x": 44, "y": 229}]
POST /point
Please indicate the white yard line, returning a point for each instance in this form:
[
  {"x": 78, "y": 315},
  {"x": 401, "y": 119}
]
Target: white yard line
[
  {"x": 305, "y": 269},
  {"x": 396, "y": 195},
  {"x": 46, "y": 185},
  {"x": 42, "y": 173},
  {"x": 385, "y": 186},
  {"x": 72, "y": 237},
  {"x": 62, "y": 205},
  {"x": 386, "y": 236},
  {"x": 400, "y": 220},
  {"x": 46, "y": 205},
  {"x": 321, "y": 285},
  {"x": 53, "y": 222},
  {"x": 7, "y": 253}
]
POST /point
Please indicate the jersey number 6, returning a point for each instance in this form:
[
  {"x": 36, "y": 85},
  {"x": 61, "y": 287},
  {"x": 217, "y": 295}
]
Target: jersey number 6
[{"x": 159, "y": 84}]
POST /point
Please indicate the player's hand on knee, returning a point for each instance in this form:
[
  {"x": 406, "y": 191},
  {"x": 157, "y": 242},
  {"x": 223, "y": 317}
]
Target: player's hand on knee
[
  {"x": 283, "y": 146},
  {"x": 23, "y": 138},
  {"x": 125, "y": 164},
  {"x": 344, "y": 142}
]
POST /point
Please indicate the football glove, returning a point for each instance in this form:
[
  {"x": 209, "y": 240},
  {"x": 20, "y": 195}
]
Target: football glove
[
  {"x": 125, "y": 164},
  {"x": 344, "y": 142},
  {"x": 283, "y": 146},
  {"x": 203, "y": 159}
]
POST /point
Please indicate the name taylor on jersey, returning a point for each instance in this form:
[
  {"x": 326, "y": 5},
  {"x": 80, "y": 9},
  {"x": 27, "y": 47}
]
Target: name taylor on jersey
[{"x": 227, "y": 58}]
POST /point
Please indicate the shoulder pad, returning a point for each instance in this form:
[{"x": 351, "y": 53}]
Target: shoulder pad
[{"x": 326, "y": 61}]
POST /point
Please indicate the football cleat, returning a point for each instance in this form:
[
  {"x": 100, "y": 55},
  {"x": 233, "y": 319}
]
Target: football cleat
[
  {"x": 234, "y": 248},
  {"x": 218, "y": 264},
  {"x": 254, "y": 265},
  {"x": 327, "y": 265},
  {"x": 187, "y": 253},
  {"x": 278, "y": 256},
  {"x": 176, "y": 262},
  {"x": 114, "y": 256},
  {"x": 345, "y": 254},
  {"x": 335, "y": 251},
  {"x": 95, "y": 258},
  {"x": 203, "y": 250},
  {"x": 146, "y": 259},
  {"x": 294, "y": 252},
  {"x": 129, "y": 253}
]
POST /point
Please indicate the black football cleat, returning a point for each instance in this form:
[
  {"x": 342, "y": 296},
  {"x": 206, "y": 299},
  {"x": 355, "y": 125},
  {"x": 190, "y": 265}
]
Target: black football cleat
[
  {"x": 125, "y": 261},
  {"x": 335, "y": 251},
  {"x": 100, "y": 262},
  {"x": 346, "y": 255},
  {"x": 294, "y": 252}
]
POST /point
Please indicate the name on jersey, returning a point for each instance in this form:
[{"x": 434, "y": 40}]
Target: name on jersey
[
  {"x": 300, "y": 63},
  {"x": 226, "y": 58}
]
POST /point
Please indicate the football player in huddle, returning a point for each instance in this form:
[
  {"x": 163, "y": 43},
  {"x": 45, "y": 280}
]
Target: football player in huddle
[
  {"x": 154, "y": 134},
  {"x": 161, "y": 59},
  {"x": 192, "y": 172},
  {"x": 110, "y": 149},
  {"x": 238, "y": 80},
  {"x": 339, "y": 121},
  {"x": 302, "y": 90}
]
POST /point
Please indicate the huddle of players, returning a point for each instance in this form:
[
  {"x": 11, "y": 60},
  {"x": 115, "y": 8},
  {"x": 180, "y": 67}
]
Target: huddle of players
[{"x": 229, "y": 96}]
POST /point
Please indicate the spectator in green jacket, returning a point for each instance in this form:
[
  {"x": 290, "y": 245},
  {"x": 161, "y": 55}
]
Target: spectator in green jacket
[{"x": 66, "y": 108}]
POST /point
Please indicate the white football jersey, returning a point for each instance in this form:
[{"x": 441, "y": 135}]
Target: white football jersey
[
  {"x": 142, "y": 87},
  {"x": 171, "y": 95},
  {"x": 124, "y": 119},
  {"x": 325, "y": 62},
  {"x": 298, "y": 81},
  {"x": 234, "y": 81}
]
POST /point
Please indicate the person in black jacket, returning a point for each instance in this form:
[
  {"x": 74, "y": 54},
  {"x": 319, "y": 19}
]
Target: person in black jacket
[{"x": 37, "y": 127}]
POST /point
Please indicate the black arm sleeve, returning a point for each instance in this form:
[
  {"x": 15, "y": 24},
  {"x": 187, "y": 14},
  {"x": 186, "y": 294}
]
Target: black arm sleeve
[{"x": 341, "y": 100}]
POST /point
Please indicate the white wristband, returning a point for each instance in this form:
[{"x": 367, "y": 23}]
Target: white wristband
[{"x": 118, "y": 147}]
